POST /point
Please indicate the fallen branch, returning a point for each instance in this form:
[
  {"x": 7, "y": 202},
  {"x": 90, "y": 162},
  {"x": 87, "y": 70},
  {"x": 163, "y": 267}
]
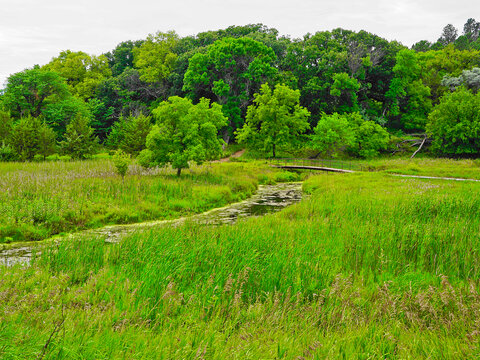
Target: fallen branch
[{"x": 421, "y": 145}]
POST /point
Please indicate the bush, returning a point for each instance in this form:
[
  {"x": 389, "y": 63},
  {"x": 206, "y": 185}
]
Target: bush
[
  {"x": 370, "y": 139},
  {"x": 7, "y": 153},
  {"x": 454, "y": 124},
  {"x": 350, "y": 133},
  {"x": 332, "y": 135},
  {"x": 145, "y": 158},
  {"x": 121, "y": 161}
]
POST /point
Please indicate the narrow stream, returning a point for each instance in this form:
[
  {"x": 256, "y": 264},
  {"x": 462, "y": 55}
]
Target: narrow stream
[{"x": 268, "y": 199}]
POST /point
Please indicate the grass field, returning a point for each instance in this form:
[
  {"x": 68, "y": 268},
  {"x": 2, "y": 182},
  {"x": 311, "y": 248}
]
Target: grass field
[
  {"x": 467, "y": 168},
  {"x": 38, "y": 200},
  {"x": 367, "y": 267}
]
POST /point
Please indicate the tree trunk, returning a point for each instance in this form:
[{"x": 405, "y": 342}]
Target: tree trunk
[
  {"x": 179, "y": 170},
  {"x": 226, "y": 136},
  {"x": 273, "y": 148}
]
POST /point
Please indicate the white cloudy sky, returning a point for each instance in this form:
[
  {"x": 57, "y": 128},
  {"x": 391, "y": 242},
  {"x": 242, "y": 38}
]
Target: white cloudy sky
[{"x": 33, "y": 31}]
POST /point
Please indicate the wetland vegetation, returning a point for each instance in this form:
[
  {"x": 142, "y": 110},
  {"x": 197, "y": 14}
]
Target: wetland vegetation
[
  {"x": 43, "y": 199},
  {"x": 367, "y": 266}
]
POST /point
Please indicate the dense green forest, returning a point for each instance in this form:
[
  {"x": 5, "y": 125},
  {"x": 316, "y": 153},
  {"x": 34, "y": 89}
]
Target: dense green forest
[{"x": 333, "y": 92}]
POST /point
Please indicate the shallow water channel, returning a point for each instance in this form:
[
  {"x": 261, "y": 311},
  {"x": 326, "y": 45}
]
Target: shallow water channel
[{"x": 267, "y": 199}]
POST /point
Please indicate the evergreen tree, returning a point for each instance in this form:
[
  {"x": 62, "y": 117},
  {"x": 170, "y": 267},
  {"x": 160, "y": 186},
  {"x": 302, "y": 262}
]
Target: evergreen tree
[
  {"x": 79, "y": 141},
  {"x": 46, "y": 140},
  {"x": 24, "y": 137}
]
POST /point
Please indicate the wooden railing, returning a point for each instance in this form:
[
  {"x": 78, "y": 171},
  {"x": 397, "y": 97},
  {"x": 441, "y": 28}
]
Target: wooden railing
[{"x": 320, "y": 163}]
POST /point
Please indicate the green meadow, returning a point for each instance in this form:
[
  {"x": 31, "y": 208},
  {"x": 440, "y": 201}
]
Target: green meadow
[
  {"x": 464, "y": 168},
  {"x": 367, "y": 266}
]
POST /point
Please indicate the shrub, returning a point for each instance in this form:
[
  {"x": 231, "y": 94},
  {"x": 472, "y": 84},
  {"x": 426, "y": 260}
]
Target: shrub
[
  {"x": 454, "y": 124},
  {"x": 7, "y": 153},
  {"x": 121, "y": 161}
]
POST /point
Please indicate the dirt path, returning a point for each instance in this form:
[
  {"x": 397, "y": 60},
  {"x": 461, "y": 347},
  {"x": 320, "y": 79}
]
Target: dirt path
[
  {"x": 433, "y": 177},
  {"x": 234, "y": 155}
]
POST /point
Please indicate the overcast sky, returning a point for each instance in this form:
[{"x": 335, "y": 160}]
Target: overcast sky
[{"x": 34, "y": 31}]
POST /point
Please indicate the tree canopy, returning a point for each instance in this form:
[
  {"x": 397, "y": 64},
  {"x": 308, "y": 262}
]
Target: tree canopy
[
  {"x": 274, "y": 119},
  {"x": 184, "y": 132},
  {"x": 28, "y": 92},
  {"x": 454, "y": 124},
  {"x": 83, "y": 72},
  {"x": 333, "y": 72},
  {"x": 230, "y": 72}
]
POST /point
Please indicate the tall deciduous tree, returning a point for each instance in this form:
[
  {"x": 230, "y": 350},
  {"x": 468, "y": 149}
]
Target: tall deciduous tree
[
  {"x": 29, "y": 91},
  {"x": 471, "y": 29},
  {"x": 449, "y": 35},
  {"x": 410, "y": 98},
  {"x": 83, "y": 72},
  {"x": 275, "y": 119},
  {"x": 344, "y": 89},
  {"x": 230, "y": 72},
  {"x": 184, "y": 132},
  {"x": 155, "y": 58},
  {"x": 121, "y": 57},
  {"x": 59, "y": 114}
]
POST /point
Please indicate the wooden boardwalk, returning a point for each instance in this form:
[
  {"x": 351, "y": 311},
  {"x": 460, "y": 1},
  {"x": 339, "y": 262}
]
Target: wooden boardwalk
[{"x": 318, "y": 168}]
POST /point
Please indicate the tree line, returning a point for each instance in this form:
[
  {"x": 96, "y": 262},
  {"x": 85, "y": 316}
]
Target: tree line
[{"x": 332, "y": 91}]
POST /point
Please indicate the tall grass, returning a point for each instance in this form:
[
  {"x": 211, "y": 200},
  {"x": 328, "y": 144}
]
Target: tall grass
[
  {"x": 367, "y": 267},
  {"x": 466, "y": 168},
  {"x": 38, "y": 200}
]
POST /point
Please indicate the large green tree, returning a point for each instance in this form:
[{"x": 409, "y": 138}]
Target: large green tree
[
  {"x": 184, "y": 132},
  {"x": 230, "y": 72},
  {"x": 317, "y": 61},
  {"x": 29, "y": 91},
  {"x": 351, "y": 133},
  {"x": 121, "y": 58},
  {"x": 155, "y": 58},
  {"x": 410, "y": 100},
  {"x": 344, "y": 89},
  {"x": 83, "y": 72},
  {"x": 61, "y": 113},
  {"x": 276, "y": 119}
]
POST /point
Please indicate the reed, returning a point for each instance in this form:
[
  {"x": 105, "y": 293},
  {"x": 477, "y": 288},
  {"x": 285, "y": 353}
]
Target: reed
[
  {"x": 366, "y": 267},
  {"x": 38, "y": 200}
]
